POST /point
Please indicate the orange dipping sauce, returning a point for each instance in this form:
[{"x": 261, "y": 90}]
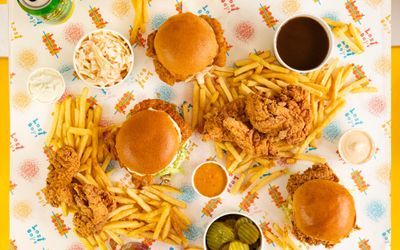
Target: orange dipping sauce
[{"x": 210, "y": 179}]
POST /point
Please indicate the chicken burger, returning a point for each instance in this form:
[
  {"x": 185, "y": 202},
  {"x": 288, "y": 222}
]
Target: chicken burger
[
  {"x": 321, "y": 210},
  {"x": 152, "y": 140},
  {"x": 186, "y": 44}
]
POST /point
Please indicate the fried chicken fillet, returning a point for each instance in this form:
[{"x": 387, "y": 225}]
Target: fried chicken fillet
[
  {"x": 257, "y": 123},
  {"x": 91, "y": 203}
]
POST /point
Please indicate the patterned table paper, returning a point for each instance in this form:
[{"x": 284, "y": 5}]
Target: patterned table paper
[{"x": 249, "y": 26}]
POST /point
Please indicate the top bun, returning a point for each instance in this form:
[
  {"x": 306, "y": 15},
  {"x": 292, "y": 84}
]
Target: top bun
[
  {"x": 185, "y": 44},
  {"x": 324, "y": 210},
  {"x": 148, "y": 142}
]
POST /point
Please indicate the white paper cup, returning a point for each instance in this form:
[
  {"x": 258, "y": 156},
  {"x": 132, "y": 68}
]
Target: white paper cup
[
  {"x": 328, "y": 33},
  {"x": 340, "y": 147},
  {"x": 57, "y": 96},
  {"x": 79, "y": 45},
  {"x": 222, "y": 167},
  {"x": 226, "y": 214}
]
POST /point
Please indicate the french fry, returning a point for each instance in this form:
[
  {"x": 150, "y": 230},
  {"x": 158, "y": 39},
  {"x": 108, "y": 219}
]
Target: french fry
[
  {"x": 312, "y": 158},
  {"x": 364, "y": 89},
  {"x": 82, "y": 107},
  {"x": 337, "y": 83},
  {"x": 333, "y": 23},
  {"x": 119, "y": 210},
  {"x": 341, "y": 34},
  {"x": 80, "y": 131},
  {"x": 185, "y": 110},
  {"x": 320, "y": 127},
  {"x": 163, "y": 218},
  {"x": 122, "y": 224},
  {"x": 166, "y": 228},
  {"x": 267, "y": 180},
  {"x": 124, "y": 214},
  {"x": 242, "y": 76},
  {"x": 114, "y": 236},
  {"x": 140, "y": 201},
  {"x": 100, "y": 242},
  {"x": 285, "y": 77},
  {"x": 329, "y": 71},
  {"x": 196, "y": 104},
  {"x": 124, "y": 200},
  {"x": 143, "y": 229},
  {"x": 202, "y": 106},
  {"x": 236, "y": 187},
  {"x": 60, "y": 122},
  {"x": 346, "y": 89},
  {"x": 84, "y": 241},
  {"x": 54, "y": 123},
  {"x": 165, "y": 197},
  {"x": 166, "y": 189},
  {"x": 181, "y": 216},
  {"x": 225, "y": 88},
  {"x": 356, "y": 35},
  {"x": 245, "y": 68},
  {"x": 266, "y": 82},
  {"x": 233, "y": 151}
]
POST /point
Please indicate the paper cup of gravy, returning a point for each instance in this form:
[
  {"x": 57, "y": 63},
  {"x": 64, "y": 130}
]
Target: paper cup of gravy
[
  {"x": 356, "y": 146},
  {"x": 303, "y": 43}
]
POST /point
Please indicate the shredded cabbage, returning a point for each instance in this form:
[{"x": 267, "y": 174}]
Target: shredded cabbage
[{"x": 176, "y": 166}]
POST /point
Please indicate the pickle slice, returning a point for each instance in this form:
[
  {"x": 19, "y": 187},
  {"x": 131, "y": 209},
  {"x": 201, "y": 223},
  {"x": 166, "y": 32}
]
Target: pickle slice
[
  {"x": 248, "y": 233},
  {"x": 219, "y": 234}
]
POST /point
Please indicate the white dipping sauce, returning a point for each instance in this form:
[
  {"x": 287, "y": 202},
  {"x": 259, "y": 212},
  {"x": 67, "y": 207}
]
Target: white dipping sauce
[
  {"x": 356, "y": 146},
  {"x": 46, "y": 85}
]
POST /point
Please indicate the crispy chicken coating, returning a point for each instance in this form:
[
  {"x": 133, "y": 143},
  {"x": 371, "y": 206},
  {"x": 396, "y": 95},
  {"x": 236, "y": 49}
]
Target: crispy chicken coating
[
  {"x": 257, "y": 122},
  {"x": 93, "y": 206},
  {"x": 63, "y": 167},
  {"x": 91, "y": 203}
]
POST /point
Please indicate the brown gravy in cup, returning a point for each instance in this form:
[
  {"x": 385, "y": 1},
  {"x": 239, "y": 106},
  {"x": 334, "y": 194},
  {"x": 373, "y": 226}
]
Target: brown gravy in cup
[{"x": 302, "y": 43}]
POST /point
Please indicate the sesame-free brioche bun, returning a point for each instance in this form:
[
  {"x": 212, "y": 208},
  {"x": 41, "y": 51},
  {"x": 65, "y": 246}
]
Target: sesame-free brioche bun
[
  {"x": 324, "y": 210},
  {"x": 148, "y": 142},
  {"x": 185, "y": 44}
]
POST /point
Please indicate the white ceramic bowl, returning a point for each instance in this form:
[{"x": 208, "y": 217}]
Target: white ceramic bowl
[
  {"x": 116, "y": 34},
  {"x": 223, "y": 168},
  {"x": 226, "y": 214},
  {"x": 57, "y": 95},
  {"x": 327, "y": 30},
  {"x": 341, "y": 150}
]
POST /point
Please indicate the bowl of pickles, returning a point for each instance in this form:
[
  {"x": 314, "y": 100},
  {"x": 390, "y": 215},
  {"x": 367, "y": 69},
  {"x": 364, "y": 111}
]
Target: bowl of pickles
[{"x": 233, "y": 231}]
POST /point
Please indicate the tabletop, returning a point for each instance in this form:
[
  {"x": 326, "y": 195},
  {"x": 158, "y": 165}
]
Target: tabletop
[{"x": 4, "y": 98}]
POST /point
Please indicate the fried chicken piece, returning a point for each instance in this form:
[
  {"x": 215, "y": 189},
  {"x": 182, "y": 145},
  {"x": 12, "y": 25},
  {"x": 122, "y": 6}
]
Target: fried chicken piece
[
  {"x": 220, "y": 59},
  {"x": 161, "y": 71},
  {"x": 214, "y": 126},
  {"x": 63, "y": 167},
  {"x": 169, "y": 109},
  {"x": 93, "y": 206},
  {"x": 317, "y": 171},
  {"x": 256, "y": 123}
]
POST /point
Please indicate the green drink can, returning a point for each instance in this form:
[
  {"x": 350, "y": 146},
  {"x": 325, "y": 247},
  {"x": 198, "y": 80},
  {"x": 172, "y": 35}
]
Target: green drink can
[{"x": 50, "y": 11}]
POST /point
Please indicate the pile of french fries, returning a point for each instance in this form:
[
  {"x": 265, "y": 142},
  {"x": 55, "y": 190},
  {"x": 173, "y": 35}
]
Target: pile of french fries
[
  {"x": 141, "y": 213},
  {"x": 259, "y": 73},
  {"x": 281, "y": 237},
  {"x": 348, "y": 33},
  {"x": 141, "y": 8}
]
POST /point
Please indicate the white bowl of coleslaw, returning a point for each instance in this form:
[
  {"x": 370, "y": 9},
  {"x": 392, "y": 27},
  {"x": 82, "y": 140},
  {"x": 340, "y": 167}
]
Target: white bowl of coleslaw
[{"x": 103, "y": 58}]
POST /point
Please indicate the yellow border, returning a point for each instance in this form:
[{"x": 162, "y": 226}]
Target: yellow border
[
  {"x": 395, "y": 148},
  {"x": 4, "y": 151}
]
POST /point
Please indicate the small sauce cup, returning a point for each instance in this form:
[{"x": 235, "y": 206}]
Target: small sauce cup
[
  {"x": 303, "y": 43},
  {"x": 45, "y": 76},
  {"x": 351, "y": 143},
  {"x": 210, "y": 179}
]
